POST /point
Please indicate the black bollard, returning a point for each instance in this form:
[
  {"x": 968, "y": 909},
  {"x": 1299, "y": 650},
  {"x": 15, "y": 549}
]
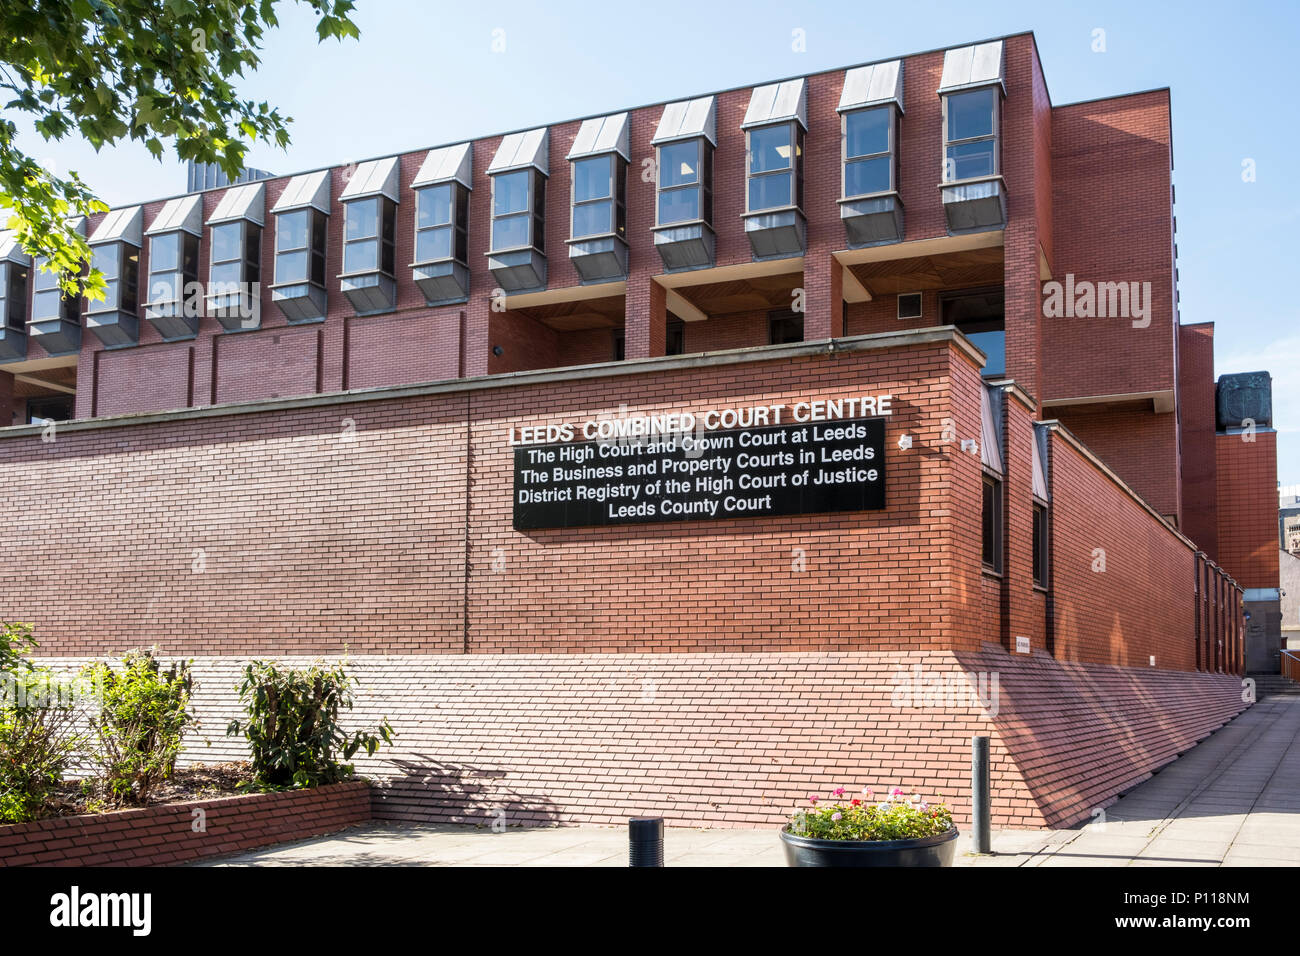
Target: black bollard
[
  {"x": 645, "y": 841},
  {"x": 980, "y": 801}
]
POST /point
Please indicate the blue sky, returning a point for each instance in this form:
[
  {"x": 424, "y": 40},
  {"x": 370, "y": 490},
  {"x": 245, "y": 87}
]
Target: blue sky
[{"x": 426, "y": 73}]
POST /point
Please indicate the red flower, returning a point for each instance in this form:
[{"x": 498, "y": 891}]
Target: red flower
[{"x": 854, "y": 802}]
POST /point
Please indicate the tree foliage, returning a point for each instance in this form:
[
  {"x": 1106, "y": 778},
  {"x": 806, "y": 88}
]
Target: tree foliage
[{"x": 153, "y": 71}]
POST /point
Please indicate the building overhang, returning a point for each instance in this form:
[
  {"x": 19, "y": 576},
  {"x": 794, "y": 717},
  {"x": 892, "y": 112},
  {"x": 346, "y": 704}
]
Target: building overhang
[{"x": 1162, "y": 400}]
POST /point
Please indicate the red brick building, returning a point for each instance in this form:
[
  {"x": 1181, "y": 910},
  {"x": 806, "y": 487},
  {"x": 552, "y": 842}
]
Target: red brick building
[{"x": 299, "y": 414}]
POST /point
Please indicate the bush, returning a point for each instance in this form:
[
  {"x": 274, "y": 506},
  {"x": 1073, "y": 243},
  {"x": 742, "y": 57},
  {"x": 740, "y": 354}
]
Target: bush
[
  {"x": 293, "y": 728},
  {"x": 38, "y": 742},
  {"x": 142, "y": 715},
  {"x": 900, "y": 816},
  {"x": 16, "y": 641}
]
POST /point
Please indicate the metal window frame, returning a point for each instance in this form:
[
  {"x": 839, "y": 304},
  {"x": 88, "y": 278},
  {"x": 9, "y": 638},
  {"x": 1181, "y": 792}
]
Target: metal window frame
[
  {"x": 459, "y": 197},
  {"x": 187, "y": 276},
  {"x": 9, "y": 295},
  {"x": 794, "y": 170},
  {"x": 615, "y": 198},
  {"x": 703, "y": 154},
  {"x": 246, "y": 227},
  {"x": 1041, "y": 553},
  {"x": 98, "y": 307},
  {"x": 891, "y": 150},
  {"x": 316, "y": 219},
  {"x": 383, "y": 205},
  {"x": 535, "y": 197},
  {"x": 995, "y": 137}
]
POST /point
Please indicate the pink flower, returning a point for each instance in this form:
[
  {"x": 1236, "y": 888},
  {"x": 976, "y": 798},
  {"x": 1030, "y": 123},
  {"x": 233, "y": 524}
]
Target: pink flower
[
  {"x": 838, "y": 791},
  {"x": 812, "y": 798},
  {"x": 867, "y": 791},
  {"x": 896, "y": 792},
  {"x": 836, "y": 816}
]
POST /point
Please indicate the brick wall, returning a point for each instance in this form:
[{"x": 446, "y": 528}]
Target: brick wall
[
  {"x": 1197, "y": 414},
  {"x": 1141, "y": 446},
  {"x": 1247, "y": 508},
  {"x": 165, "y": 835}
]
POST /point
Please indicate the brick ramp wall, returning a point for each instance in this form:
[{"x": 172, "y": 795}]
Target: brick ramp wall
[
  {"x": 740, "y": 739},
  {"x": 163, "y": 835}
]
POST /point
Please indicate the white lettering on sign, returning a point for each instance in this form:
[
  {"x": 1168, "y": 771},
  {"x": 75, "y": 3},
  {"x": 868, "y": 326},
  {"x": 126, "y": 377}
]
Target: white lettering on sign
[{"x": 715, "y": 419}]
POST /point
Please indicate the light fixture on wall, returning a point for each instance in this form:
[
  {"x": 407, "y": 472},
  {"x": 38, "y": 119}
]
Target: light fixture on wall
[{"x": 498, "y": 351}]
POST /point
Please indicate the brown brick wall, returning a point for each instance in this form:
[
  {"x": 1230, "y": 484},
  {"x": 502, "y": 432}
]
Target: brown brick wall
[
  {"x": 165, "y": 835},
  {"x": 1247, "y": 508}
]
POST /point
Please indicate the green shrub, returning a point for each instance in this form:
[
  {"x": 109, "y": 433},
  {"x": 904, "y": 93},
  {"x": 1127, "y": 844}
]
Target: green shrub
[
  {"x": 896, "y": 816},
  {"x": 292, "y": 725},
  {"x": 142, "y": 715},
  {"x": 39, "y": 740},
  {"x": 16, "y": 641}
]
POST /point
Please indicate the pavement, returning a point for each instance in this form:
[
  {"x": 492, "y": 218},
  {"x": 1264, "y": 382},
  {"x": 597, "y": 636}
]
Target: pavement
[{"x": 1233, "y": 800}]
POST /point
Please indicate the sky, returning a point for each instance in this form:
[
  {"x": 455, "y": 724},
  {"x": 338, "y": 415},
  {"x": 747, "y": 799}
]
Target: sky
[{"x": 427, "y": 73}]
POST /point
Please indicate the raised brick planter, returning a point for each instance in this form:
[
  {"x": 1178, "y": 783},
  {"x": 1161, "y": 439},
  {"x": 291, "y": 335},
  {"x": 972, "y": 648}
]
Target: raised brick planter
[{"x": 171, "y": 834}]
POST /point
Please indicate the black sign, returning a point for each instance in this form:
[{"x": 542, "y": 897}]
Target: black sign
[{"x": 745, "y": 473}]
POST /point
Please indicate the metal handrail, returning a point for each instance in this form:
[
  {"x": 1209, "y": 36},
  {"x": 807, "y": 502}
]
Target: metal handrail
[{"x": 1290, "y": 666}]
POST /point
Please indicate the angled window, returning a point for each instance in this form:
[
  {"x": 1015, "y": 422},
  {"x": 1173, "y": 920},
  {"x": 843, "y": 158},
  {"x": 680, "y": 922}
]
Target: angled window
[
  {"x": 1040, "y": 545},
  {"x": 235, "y": 257},
  {"x": 774, "y": 131},
  {"x": 972, "y": 89},
  {"x": 991, "y": 539},
  {"x": 369, "y": 277},
  {"x": 49, "y": 301},
  {"x": 115, "y": 252},
  {"x": 598, "y": 218},
  {"x": 301, "y": 235},
  {"x": 15, "y": 273},
  {"x": 172, "y": 301},
  {"x": 517, "y": 253},
  {"x": 684, "y": 143},
  {"x": 870, "y": 108},
  {"x": 442, "y": 188}
]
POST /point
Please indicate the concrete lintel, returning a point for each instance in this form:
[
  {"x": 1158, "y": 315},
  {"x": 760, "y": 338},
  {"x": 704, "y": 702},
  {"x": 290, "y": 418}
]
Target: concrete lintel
[
  {"x": 921, "y": 247},
  {"x": 677, "y": 304}
]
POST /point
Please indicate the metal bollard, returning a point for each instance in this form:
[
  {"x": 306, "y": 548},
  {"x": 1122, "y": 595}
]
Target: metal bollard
[
  {"x": 645, "y": 841},
  {"x": 980, "y": 797}
]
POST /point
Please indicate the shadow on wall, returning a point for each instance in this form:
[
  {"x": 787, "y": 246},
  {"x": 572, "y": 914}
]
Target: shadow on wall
[
  {"x": 1082, "y": 734},
  {"x": 420, "y": 789}
]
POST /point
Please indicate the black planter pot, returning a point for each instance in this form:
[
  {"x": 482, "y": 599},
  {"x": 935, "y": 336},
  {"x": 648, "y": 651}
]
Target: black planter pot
[{"x": 934, "y": 850}]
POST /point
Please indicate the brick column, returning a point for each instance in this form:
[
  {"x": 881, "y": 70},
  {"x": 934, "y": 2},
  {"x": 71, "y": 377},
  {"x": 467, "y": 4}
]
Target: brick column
[
  {"x": 645, "y": 316},
  {"x": 823, "y": 295}
]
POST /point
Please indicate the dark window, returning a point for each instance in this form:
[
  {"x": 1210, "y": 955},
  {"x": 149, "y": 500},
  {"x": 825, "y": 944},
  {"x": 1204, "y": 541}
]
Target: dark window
[
  {"x": 675, "y": 340},
  {"x": 991, "y": 550},
  {"x": 620, "y": 339},
  {"x": 970, "y": 136},
  {"x": 1040, "y": 545},
  {"x": 775, "y": 167},
  {"x": 979, "y": 316},
  {"x": 909, "y": 305},
  {"x": 48, "y": 299},
  {"x": 783, "y": 327},
  {"x": 685, "y": 182},
  {"x": 441, "y": 220},
  {"x": 120, "y": 264},
  {"x": 56, "y": 409},
  {"x": 173, "y": 262},
  {"x": 13, "y": 295},
  {"x": 868, "y": 158}
]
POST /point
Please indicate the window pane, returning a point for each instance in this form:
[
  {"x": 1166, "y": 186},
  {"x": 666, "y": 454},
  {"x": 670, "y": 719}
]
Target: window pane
[
  {"x": 225, "y": 242},
  {"x": 988, "y": 544},
  {"x": 363, "y": 218},
  {"x": 433, "y": 244},
  {"x": 164, "y": 252},
  {"x": 361, "y": 256},
  {"x": 291, "y": 267},
  {"x": 866, "y": 176},
  {"x": 110, "y": 301},
  {"x": 291, "y": 230},
  {"x": 592, "y": 219},
  {"x": 165, "y": 287},
  {"x": 510, "y": 232},
  {"x": 225, "y": 276},
  {"x": 679, "y": 164},
  {"x": 434, "y": 206},
  {"x": 679, "y": 205},
  {"x": 44, "y": 280},
  {"x": 769, "y": 192},
  {"x": 970, "y": 159},
  {"x": 106, "y": 259},
  {"x": 510, "y": 193},
  {"x": 591, "y": 179},
  {"x": 769, "y": 148},
  {"x": 970, "y": 114},
  {"x": 46, "y": 305},
  {"x": 1039, "y": 537},
  {"x": 866, "y": 132}
]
